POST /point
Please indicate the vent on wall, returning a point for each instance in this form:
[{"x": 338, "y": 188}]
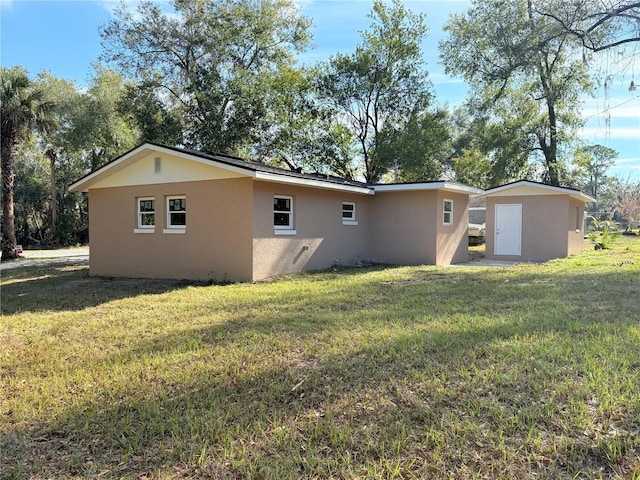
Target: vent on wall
[{"x": 157, "y": 166}]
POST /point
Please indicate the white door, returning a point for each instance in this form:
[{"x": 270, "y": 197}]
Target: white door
[{"x": 508, "y": 234}]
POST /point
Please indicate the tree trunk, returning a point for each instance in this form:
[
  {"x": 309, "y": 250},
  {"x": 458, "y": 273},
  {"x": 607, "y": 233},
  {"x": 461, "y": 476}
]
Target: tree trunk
[
  {"x": 53, "y": 156},
  {"x": 8, "y": 185},
  {"x": 552, "y": 159}
]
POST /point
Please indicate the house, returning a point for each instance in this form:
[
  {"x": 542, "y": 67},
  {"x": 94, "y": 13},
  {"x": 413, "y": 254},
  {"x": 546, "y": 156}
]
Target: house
[
  {"x": 535, "y": 222},
  {"x": 163, "y": 212}
]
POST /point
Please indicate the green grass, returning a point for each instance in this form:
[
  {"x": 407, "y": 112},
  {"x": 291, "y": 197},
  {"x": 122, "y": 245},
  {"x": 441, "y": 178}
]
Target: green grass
[{"x": 523, "y": 372}]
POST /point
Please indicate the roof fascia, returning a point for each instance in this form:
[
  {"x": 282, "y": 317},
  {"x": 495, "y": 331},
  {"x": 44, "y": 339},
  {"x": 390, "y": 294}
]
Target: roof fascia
[
  {"x": 446, "y": 186},
  {"x": 577, "y": 194},
  {"x": 309, "y": 182}
]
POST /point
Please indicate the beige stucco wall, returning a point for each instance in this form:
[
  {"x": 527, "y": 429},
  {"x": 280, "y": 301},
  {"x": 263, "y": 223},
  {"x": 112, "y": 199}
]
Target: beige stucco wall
[
  {"x": 548, "y": 227},
  {"x": 216, "y": 245},
  {"x": 230, "y": 233},
  {"x": 321, "y": 240},
  {"x": 452, "y": 242},
  {"x": 575, "y": 230},
  {"x": 409, "y": 230}
]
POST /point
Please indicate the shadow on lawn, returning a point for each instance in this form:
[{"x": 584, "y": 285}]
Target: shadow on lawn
[
  {"x": 324, "y": 409},
  {"x": 68, "y": 287}
]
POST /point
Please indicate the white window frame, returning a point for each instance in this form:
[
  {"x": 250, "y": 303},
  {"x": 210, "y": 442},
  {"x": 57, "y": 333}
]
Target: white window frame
[
  {"x": 175, "y": 228},
  {"x": 445, "y": 212},
  {"x": 578, "y": 222},
  {"x": 140, "y": 227},
  {"x": 284, "y": 229},
  {"x": 352, "y": 220}
]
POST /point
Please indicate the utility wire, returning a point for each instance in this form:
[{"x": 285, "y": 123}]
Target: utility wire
[{"x": 615, "y": 106}]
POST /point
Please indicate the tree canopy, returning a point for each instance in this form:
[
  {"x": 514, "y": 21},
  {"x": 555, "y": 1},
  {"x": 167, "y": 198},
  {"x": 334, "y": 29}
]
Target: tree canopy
[
  {"x": 214, "y": 62},
  {"x": 378, "y": 87},
  {"x": 529, "y": 81}
]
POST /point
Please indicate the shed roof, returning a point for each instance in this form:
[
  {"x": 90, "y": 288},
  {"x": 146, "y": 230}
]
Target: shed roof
[{"x": 526, "y": 187}]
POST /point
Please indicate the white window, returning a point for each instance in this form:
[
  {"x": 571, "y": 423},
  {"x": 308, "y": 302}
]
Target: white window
[
  {"x": 349, "y": 213},
  {"x": 146, "y": 215},
  {"x": 579, "y": 220},
  {"x": 283, "y": 215},
  {"x": 176, "y": 214},
  {"x": 447, "y": 212}
]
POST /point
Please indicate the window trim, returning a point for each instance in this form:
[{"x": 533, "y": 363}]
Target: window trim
[
  {"x": 170, "y": 228},
  {"x": 579, "y": 224},
  {"x": 284, "y": 229},
  {"x": 140, "y": 227},
  {"x": 445, "y": 212},
  {"x": 352, "y": 220}
]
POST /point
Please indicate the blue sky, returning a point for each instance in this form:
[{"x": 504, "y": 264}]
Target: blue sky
[{"x": 62, "y": 37}]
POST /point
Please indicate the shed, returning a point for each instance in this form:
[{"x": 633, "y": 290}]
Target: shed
[{"x": 534, "y": 222}]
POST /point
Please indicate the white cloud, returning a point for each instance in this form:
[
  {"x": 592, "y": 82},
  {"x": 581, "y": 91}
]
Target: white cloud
[
  {"x": 628, "y": 160},
  {"x": 619, "y": 133},
  {"x": 629, "y": 110}
]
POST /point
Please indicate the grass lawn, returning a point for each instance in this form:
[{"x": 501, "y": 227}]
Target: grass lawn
[{"x": 523, "y": 372}]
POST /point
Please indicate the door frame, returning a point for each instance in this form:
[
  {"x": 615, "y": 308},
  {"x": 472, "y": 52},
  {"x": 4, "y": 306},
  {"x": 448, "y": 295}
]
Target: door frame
[{"x": 514, "y": 219}]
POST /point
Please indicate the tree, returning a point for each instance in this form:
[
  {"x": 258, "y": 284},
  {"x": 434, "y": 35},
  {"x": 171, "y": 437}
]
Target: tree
[
  {"x": 97, "y": 129},
  {"x": 301, "y": 132},
  {"x": 212, "y": 61},
  {"x": 592, "y": 163},
  {"x": 418, "y": 148},
  {"x": 50, "y": 145},
  {"x": 381, "y": 84},
  {"x": 472, "y": 168},
  {"x": 145, "y": 112},
  {"x": 529, "y": 80},
  {"x": 22, "y": 110},
  {"x": 92, "y": 131},
  {"x": 597, "y": 26}
]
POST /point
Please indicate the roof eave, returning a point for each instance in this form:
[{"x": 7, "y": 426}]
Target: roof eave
[
  {"x": 309, "y": 182},
  {"x": 443, "y": 185},
  {"x": 576, "y": 194}
]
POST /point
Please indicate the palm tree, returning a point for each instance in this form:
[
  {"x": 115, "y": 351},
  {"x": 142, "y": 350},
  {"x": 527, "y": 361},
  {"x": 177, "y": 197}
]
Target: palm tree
[{"x": 22, "y": 110}]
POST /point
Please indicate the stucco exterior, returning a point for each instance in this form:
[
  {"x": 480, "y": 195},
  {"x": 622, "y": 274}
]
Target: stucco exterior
[
  {"x": 409, "y": 228},
  {"x": 552, "y": 221},
  {"x": 230, "y": 231},
  {"x": 216, "y": 243},
  {"x": 321, "y": 238}
]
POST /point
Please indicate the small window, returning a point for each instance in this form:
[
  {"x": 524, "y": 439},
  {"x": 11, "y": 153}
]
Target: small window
[
  {"x": 157, "y": 165},
  {"x": 146, "y": 215},
  {"x": 578, "y": 220},
  {"x": 283, "y": 215},
  {"x": 349, "y": 213},
  {"x": 447, "y": 212},
  {"x": 176, "y": 212}
]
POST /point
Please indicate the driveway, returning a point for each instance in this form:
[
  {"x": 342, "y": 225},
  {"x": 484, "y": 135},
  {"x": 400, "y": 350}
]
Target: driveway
[{"x": 48, "y": 257}]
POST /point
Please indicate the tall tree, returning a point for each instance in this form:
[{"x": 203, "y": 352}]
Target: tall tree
[
  {"x": 23, "y": 109},
  {"x": 382, "y": 83},
  {"x": 212, "y": 60},
  {"x": 97, "y": 128},
  {"x": 51, "y": 144},
  {"x": 92, "y": 131},
  {"x": 530, "y": 80},
  {"x": 418, "y": 148},
  {"x": 592, "y": 163},
  {"x": 301, "y": 132},
  {"x": 145, "y": 111}
]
